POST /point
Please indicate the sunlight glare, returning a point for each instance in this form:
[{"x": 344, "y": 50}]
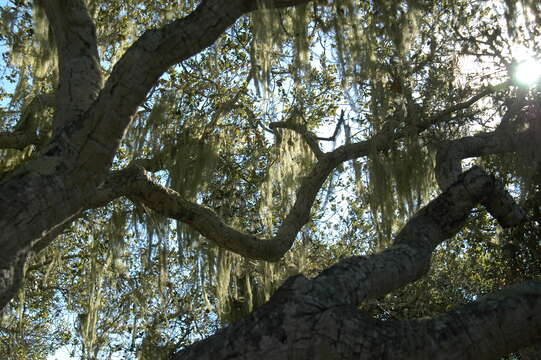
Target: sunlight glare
[{"x": 528, "y": 71}]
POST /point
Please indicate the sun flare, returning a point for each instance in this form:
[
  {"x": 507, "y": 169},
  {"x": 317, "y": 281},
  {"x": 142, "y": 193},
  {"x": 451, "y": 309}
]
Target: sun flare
[{"x": 528, "y": 71}]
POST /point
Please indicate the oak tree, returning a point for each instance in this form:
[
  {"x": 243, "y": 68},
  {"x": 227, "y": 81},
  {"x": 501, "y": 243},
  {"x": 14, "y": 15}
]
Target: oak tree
[{"x": 289, "y": 171}]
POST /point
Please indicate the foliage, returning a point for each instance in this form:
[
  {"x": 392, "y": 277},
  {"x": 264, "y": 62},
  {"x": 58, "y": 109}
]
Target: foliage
[{"x": 124, "y": 281}]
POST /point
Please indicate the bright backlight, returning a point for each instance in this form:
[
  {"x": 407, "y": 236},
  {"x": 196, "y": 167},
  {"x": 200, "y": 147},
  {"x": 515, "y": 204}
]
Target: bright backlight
[{"x": 528, "y": 71}]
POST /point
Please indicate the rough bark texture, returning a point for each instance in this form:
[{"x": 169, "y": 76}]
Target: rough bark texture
[
  {"x": 305, "y": 319},
  {"x": 53, "y": 188},
  {"x": 318, "y": 319}
]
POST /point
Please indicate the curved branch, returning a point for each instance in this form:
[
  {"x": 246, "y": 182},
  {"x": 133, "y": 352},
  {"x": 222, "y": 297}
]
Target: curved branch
[
  {"x": 318, "y": 318},
  {"x": 358, "y": 278},
  {"x": 385, "y": 139},
  {"x": 142, "y": 65},
  {"x": 488, "y": 328},
  {"x": 451, "y": 153},
  {"x": 169, "y": 203},
  {"x": 135, "y": 184}
]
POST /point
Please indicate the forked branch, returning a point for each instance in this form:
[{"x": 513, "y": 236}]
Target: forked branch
[{"x": 169, "y": 203}]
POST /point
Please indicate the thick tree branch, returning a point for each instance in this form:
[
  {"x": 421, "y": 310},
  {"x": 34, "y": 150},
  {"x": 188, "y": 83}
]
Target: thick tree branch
[
  {"x": 79, "y": 67},
  {"x": 494, "y": 326},
  {"x": 385, "y": 139},
  {"x": 141, "y": 66},
  {"x": 51, "y": 189},
  {"x": 489, "y": 328},
  {"x": 508, "y": 137},
  {"x": 358, "y": 278},
  {"x": 137, "y": 185},
  {"x": 134, "y": 183},
  {"x": 318, "y": 318},
  {"x": 169, "y": 203},
  {"x": 483, "y": 330},
  {"x": 451, "y": 153}
]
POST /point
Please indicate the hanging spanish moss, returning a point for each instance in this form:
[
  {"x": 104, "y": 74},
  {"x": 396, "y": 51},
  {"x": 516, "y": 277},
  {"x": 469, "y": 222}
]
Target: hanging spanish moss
[
  {"x": 205, "y": 133},
  {"x": 293, "y": 160},
  {"x": 267, "y": 32},
  {"x": 45, "y": 60}
]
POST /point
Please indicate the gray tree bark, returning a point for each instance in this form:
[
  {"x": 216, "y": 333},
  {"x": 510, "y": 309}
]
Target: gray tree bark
[
  {"x": 305, "y": 319},
  {"x": 318, "y": 318}
]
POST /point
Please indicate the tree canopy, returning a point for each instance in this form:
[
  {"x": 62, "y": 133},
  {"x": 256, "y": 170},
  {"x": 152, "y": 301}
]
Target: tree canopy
[{"x": 270, "y": 179}]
